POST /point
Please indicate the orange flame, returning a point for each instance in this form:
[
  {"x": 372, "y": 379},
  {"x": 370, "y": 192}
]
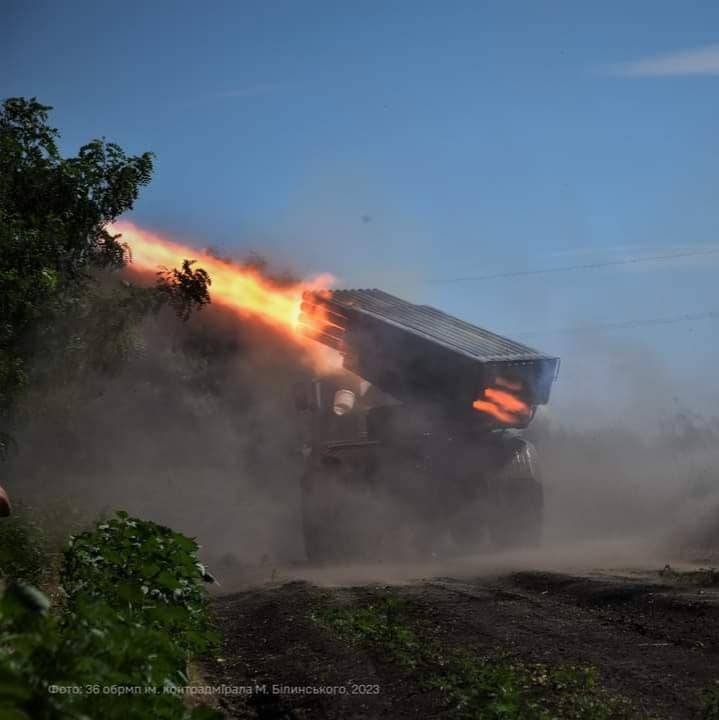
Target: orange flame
[
  {"x": 244, "y": 290},
  {"x": 503, "y": 406}
]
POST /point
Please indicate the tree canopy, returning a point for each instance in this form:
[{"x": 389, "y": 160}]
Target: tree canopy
[{"x": 54, "y": 213}]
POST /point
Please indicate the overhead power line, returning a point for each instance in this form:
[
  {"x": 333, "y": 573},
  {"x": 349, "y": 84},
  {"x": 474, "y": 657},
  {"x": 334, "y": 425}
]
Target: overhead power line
[
  {"x": 585, "y": 266},
  {"x": 628, "y": 324}
]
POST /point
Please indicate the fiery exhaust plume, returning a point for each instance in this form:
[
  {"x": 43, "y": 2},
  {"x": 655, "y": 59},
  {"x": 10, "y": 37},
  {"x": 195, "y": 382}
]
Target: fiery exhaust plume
[
  {"x": 244, "y": 290},
  {"x": 503, "y": 406}
]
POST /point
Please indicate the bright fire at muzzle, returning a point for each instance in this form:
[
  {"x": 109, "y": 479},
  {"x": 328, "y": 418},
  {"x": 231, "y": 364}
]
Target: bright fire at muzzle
[{"x": 241, "y": 289}]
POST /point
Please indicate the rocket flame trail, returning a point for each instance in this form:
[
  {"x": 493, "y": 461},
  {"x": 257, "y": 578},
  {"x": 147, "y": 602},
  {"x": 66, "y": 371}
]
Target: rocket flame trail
[{"x": 244, "y": 290}]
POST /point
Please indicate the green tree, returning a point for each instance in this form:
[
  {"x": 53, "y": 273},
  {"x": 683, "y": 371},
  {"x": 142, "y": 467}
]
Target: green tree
[{"x": 54, "y": 214}]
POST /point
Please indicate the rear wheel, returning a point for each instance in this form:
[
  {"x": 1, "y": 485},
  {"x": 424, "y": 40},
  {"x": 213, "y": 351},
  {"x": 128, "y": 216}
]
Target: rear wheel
[
  {"x": 516, "y": 501},
  {"x": 320, "y": 525},
  {"x": 339, "y": 514}
]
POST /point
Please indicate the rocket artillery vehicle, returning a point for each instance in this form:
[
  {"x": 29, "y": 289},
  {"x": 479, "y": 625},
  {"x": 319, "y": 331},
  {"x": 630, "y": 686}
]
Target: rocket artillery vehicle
[{"x": 417, "y": 438}]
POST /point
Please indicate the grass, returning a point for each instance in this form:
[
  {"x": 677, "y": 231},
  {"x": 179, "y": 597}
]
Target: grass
[
  {"x": 710, "y": 702},
  {"x": 477, "y": 687},
  {"x": 383, "y": 623},
  {"x": 703, "y": 577}
]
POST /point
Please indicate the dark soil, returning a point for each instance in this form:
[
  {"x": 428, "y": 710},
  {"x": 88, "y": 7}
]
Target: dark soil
[{"x": 653, "y": 642}]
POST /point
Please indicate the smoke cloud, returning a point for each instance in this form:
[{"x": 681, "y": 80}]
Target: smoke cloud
[{"x": 198, "y": 431}]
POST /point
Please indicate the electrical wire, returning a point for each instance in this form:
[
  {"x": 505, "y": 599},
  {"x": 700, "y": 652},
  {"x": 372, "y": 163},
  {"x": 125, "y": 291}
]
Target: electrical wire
[
  {"x": 585, "y": 266},
  {"x": 628, "y": 324}
]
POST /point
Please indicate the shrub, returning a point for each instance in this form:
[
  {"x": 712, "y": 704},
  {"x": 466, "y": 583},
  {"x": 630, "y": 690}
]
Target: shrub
[
  {"x": 134, "y": 609},
  {"x": 147, "y": 572}
]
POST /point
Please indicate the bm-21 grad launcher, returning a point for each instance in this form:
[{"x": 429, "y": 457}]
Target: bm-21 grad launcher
[{"x": 419, "y": 435}]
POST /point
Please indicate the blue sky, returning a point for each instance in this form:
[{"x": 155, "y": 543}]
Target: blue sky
[{"x": 405, "y": 144}]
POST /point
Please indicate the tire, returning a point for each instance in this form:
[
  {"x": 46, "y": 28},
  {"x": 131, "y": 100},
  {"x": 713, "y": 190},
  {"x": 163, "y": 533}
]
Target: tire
[
  {"x": 337, "y": 508},
  {"x": 468, "y": 526},
  {"x": 516, "y": 501}
]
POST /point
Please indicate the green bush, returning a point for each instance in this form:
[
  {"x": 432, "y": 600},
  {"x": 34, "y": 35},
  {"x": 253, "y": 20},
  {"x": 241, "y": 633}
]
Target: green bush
[
  {"x": 134, "y": 610},
  {"x": 29, "y": 647},
  {"x": 148, "y": 572}
]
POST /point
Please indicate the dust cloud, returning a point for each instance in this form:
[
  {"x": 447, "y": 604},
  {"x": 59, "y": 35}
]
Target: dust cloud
[
  {"x": 198, "y": 430},
  {"x": 624, "y": 458}
]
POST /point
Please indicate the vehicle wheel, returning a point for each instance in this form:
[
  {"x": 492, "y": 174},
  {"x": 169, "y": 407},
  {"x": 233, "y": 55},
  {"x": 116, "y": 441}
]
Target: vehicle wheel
[
  {"x": 516, "y": 501},
  {"x": 338, "y": 513},
  {"x": 469, "y": 525}
]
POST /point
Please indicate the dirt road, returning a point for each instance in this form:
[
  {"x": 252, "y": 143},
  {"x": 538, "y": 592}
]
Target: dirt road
[{"x": 653, "y": 638}]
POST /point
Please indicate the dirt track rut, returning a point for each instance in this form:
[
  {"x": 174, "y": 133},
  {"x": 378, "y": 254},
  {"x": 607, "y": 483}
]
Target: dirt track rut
[{"x": 654, "y": 642}]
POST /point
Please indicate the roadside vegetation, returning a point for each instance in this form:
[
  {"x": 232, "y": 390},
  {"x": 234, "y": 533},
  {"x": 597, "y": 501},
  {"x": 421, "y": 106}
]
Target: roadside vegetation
[
  {"x": 132, "y": 612},
  {"x": 710, "y": 702},
  {"x": 492, "y": 687},
  {"x": 96, "y": 619},
  {"x": 702, "y": 577}
]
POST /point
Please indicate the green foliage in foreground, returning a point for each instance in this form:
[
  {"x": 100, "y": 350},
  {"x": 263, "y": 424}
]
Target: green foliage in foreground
[
  {"x": 119, "y": 648},
  {"x": 477, "y": 688},
  {"x": 482, "y": 688},
  {"x": 147, "y": 572},
  {"x": 710, "y": 702}
]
